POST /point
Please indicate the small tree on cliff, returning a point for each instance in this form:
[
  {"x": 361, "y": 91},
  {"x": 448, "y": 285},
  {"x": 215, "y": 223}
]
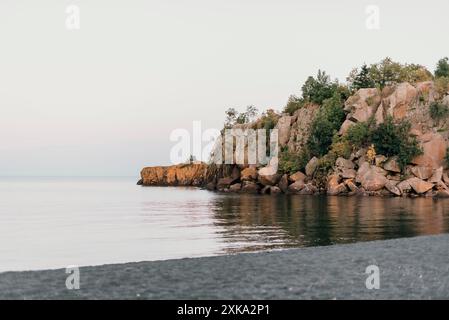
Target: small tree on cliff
[
  {"x": 442, "y": 69},
  {"x": 359, "y": 80}
]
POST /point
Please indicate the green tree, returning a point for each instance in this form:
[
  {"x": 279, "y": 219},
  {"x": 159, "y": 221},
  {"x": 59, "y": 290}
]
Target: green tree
[
  {"x": 362, "y": 79},
  {"x": 318, "y": 89},
  {"x": 442, "y": 69}
]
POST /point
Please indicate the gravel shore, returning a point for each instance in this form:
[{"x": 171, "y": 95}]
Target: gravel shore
[{"x": 411, "y": 268}]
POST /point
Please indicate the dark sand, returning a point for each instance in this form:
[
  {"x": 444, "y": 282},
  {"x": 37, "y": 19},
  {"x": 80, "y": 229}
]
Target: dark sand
[{"x": 413, "y": 268}]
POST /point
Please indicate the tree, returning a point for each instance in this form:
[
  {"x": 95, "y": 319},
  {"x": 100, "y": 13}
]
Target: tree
[
  {"x": 319, "y": 89},
  {"x": 231, "y": 117},
  {"x": 362, "y": 79},
  {"x": 442, "y": 69}
]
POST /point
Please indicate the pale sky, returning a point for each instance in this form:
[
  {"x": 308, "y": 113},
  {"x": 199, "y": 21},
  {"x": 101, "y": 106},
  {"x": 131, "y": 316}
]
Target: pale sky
[{"x": 102, "y": 100}]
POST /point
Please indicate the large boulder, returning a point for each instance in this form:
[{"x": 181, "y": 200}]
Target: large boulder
[
  {"x": 235, "y": 187},
  {"x": 400, "y": 100},
  {"x": 300, "y": 127},
  {"x": 434, "y": 150},
  {"x": 297, "y": 176},
  {"x": 283, "y": 127},
  {"x": 392, "y": 165},
  {"x": 311, "y": 166},
  {"x": 345, "y": 127},
  {"x": 334, "y": 187},
  {"x": 422, "y": 172},
  {"x": 283, "y": 183},
  {"x": 342, "y": 163},
  {"x": 372, "y": 180},
  {"x": 391, "y": 186},
  {"x": 404, "y": 186},
  {"x": 296, "y": 187},
  {"x": 363, "y": 169},
  {"x": 420, "y": 186},
  {"x": 362, "y": 105},
  {"x": 268, "y": 175},
  {"x": 224, "y": 183},
  {"x": 248, "y": 174},
  {"x": 437, "y": 175},
  {"x": 348, "y": 173}
]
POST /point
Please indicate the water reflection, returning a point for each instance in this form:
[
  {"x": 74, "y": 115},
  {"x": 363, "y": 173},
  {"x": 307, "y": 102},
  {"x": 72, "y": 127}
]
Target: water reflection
[{"x": 249, "y": 222}]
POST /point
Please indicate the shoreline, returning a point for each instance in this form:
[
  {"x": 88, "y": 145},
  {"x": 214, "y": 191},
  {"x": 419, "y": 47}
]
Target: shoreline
[{"x": 410, "y": 268}]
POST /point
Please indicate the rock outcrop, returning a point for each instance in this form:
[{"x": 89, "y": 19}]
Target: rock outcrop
[{"x": 357, "y": 174}]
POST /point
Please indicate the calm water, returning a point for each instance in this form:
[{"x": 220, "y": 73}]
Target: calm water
[{"x": 56, "y": 222}]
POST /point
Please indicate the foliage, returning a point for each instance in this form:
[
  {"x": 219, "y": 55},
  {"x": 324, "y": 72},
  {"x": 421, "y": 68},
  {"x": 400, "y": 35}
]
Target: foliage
[
  {"x": 442, "y": 85},
  {"x": 387, "y": 72},
  {"x": 361, "y": 79},
  {"x": 326, "y": 123},
  {"x": 359, "y": 134},
  {"x": 340, "y": 147},
  {"x": 293, "y": 104},
  {"x": 392, "y": 139},
  {"x": 442, "y": 69},
  {"x": 438, "y": 111},
  {"x": 371, "y": 154},
  {"x": 318, "y": 89},
  {"x": 291, "y": 162},
  {"x": 234, "y": 117}
]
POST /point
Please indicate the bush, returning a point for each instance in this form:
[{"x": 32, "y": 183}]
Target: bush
[
  {"x": 442, "y": 86},
  {"x": 340, "y": 147},
  {"x": 326, "y": 123},
  {"x": 359, "y": 135},
  {"x": 392, "y": 139},
  {"x": 290, "y": 162},
  {"x": 442, "y": 69},
  {"x": 438, "y": 111},
  {"x": 293, "y": 104}
]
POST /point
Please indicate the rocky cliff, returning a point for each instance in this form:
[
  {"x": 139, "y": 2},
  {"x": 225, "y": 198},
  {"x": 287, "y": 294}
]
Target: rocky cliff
[{"x": 355, "y": 174}]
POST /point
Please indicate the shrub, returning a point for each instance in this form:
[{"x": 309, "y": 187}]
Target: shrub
[
  {"x": 442, "y": 69},
  {"x": 438, "y": 111},
  {"x": 392, "y": 139},
  {"x": 293, "y": 104},
  {"x": 326, "y": 123},
  {"x": 340, "y": 147},
  {"x": 291, "y": 162},
  {"x": 359, "y": 135},
  {"x": 359, "y": 80},
  {"x": 442, "y": 86}
]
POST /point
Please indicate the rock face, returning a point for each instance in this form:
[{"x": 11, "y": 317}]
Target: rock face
[
  {"x": 311, "y": 166},
  {"x": 283, "y": 127},
  {"x": 178, "y": 175},
  {"x": 362, "y": 105}
]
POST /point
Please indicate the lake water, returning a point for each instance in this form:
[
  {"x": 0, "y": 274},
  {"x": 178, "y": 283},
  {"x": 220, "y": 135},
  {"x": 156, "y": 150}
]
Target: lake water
[{"x": 57, "y": 222}]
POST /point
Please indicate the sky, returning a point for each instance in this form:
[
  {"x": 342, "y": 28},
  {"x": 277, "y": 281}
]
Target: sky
[{"x": 102, "y": 99}]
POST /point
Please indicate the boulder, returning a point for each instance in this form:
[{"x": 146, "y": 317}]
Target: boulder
[
  {"x": 308, "y": 189},
  {"x": 311, "y": 166},
  {"x": 400, "y": 100},
  {"x": 445, "y": 179},
  {"x": 345, "y": 127},
  {"x": 296, "y": 187},
  {"x": 283, "y": 127},
  {"x": 392, "y": 165},
  {"x": 235, "y": 187},
  {"x": 342, "y": 163},
  {"x": 348, "y": 173},
  {"x": 334, "y": 187},
  {"x": 420, "y": 186},
  {"x": 442, "y": 194},
  {"x": 351, "y": 185},
  {"x": 422, "y": 172},
  {"x": 437, "y": 175},
  {"x": 379, "y": 160},
  {"x": 283, "y": 183},
  {"x": 224, "y": 183},
  {"x": 390, "y": 186},
  {"x": 404, "y": 186},
  {"x": 434, "y": 151},
  {"x": 248, "y": 174},
  {"x": 363, "y": 104},
  {"x": 363, "y": 169},
  {"x": 275, "y": 190},
  {"x": 250, "y": 187},
  {"x": 372, "y": 180},
  {"x": 297, "y": 176},
  {"x": 269, "y": 180}
]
